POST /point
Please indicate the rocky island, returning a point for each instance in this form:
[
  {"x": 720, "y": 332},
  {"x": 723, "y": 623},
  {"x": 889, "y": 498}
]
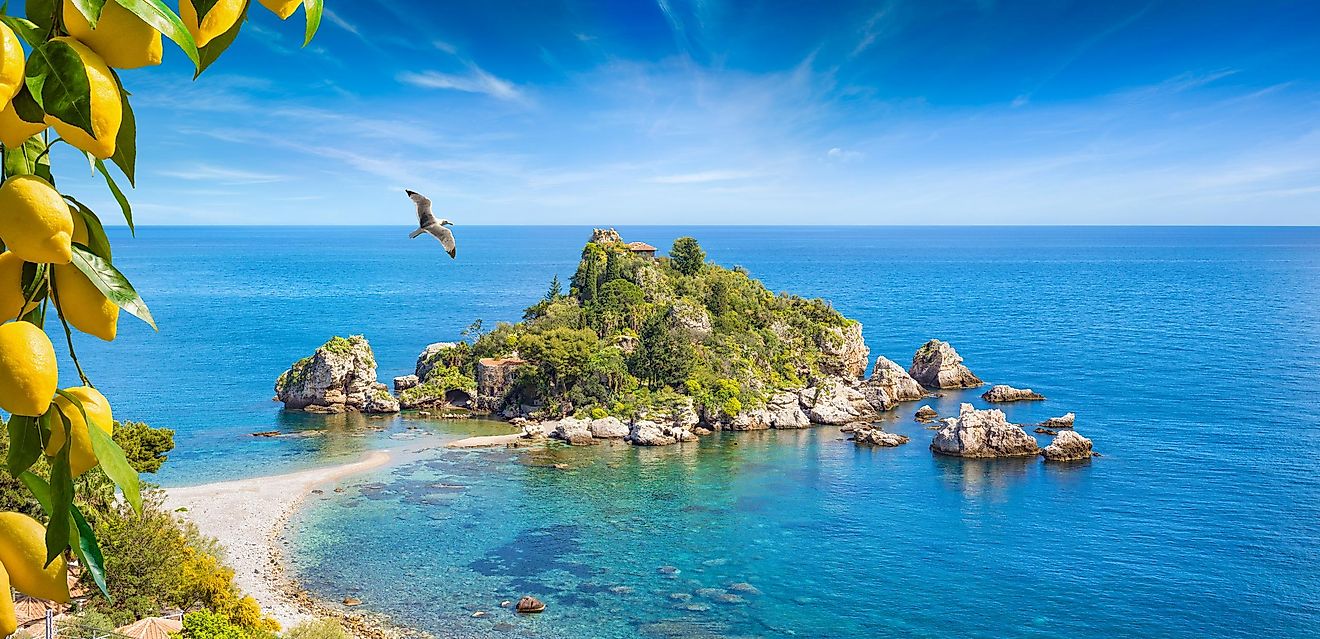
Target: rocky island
[{"x": 656, "y": 351}]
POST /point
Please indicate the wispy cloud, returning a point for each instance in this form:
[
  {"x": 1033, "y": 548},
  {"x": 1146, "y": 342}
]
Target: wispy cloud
[
  {"x": 476, "y": 80},
  {"x": 703, "y": 177},
  {"x": 221, "y": 175}
]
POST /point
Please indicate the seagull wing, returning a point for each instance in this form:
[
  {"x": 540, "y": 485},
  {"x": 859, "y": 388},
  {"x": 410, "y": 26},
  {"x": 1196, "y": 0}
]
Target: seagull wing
[
  {"x": 446, "y": 238},
  {"x": 424, "y": 216}
]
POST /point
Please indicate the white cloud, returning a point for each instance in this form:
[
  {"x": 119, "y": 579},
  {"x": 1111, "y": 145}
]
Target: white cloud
[
  {"x": 838, "y": 154},
  {"x": 476, "y": 80},
  {"x": 702, "y": 177},
  {"x": 222, "y": 175}
]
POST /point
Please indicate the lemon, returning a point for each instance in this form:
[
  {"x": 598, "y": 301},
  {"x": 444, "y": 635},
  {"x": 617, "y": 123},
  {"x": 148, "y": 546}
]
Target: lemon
[
  {"x": 11, "y": 63},
  {"x": 35, "y": 222},
  {"x": 23, "y": 553},
  {"x": 14, "y": 131},
  {"x": 121, "y": 38},
  {"x": 83, "y": 305},
  {"x": 107, "y": 111},
  {"x": 281, "y": 8},
  {"x": 218, "y": 20},
  {"x": 8, "y": 620},
  {"x": 81, "y": 456},
  {"x": 11, "y": 287},
  {"x": 29, "y": 374}
]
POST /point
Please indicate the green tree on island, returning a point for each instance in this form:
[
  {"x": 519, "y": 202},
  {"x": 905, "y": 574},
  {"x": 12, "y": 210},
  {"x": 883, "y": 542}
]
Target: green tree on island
[{"x": 687, "y": 255}]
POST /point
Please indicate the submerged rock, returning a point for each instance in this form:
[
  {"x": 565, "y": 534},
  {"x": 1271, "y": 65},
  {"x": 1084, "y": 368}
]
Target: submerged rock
[
  {"x": 833, "y": 403},
  {"x": 529, "y": 604},
  {"x": 1066, "y": 421},
  {"x": 983, "y": 434},
  {"x": 889, "y": 384},
  {"x": 1002, "y": 393},
  {"x": 926, "y": 414},
  {"x": 843, "y": 352},
  {"x": 937, "y": 365},
  {"x": 1046, "y": 431},
  {"x": 340, "y": 376},
  {"x": 1068, "y": 446},
  {"x": 876, "y": 437}
]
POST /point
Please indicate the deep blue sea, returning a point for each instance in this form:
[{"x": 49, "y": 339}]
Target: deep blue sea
[{"x": 1191, "y": 357}]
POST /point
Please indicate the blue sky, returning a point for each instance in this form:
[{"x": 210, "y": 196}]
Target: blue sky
[{"x": 720, "y": 112}]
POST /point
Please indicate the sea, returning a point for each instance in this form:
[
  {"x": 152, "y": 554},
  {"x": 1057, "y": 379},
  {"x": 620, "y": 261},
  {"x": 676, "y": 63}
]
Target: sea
[{"x": 1190, "y": 357}]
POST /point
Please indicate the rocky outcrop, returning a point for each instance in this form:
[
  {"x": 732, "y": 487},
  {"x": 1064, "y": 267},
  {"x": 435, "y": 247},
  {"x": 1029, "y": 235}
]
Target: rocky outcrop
[
  {"x": 570, "y": 429},
  {"x": 647, "y": 433},
  {"x": 606, "y": 236},
  {"x": 889, "y": 384},
  {"x": 608, "y": 428},
  {"x": 1066, "y": 421},
  {"x": 926, "y": 414},
  {"x": 1068, "y": 446},
  {"x": 495, "y": 378},
  {"x": 1003, "y": 393},
  {"x": 782, "y": 411},
  {"x": 868, "y": 436},
  {"x": 340, "y": 376},
  {"x": 690, "y": 318},
  {"x": 937, "y": 365},
  {"x": 983, "y": 434},
  {"x": 430, "y": 358},
  {"x": 833, "y": 403},
  {"x": 843, "y": 352},
  {"x": 404, "y": 382}
]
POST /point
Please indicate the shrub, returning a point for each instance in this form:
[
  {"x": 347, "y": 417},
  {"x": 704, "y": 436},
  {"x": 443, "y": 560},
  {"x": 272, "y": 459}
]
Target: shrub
[{"x": 317, "y": 629}]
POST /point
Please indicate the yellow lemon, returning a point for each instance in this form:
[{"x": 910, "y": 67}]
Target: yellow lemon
[
  {"x": 218, "y": 20},
  {"x": 11, "y": 287},
  {"x": 35, "y": 222},
  {"x": 14, "y": 131},
  {"x": 81, "y": 456},
  {"x": 11, "y": 63},
  {"x": 83, "y": 305},
  {"x": 282, "y": 8},
  {"x": 121, "y": 38},
  {"x": 107, "y": 111},
  {"x": 8, "y": 620},
  {"x": 29, "y": 374},
  {"x": 23, "y": 553}
]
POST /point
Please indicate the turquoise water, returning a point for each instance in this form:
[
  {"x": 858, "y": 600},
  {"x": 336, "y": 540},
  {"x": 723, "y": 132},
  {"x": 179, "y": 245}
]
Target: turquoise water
[{"x": 1189, "y": 355}]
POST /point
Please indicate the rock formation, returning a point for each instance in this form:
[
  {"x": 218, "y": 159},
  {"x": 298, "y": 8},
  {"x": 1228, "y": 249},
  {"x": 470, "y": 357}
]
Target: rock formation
[
  {"x": 495, "y": 378},
  {"x": 608, "y": 428},
  {"x": 1002, "y": 393},
  {"x": 1068, "y": 446},
  {"x": 430, "y": 358},
  {"x": 340, "y": 376},
  {"x": 843, "y": 352},
  {"x": 570, "y": 429},
  {"x": 691, "y": 318},
  {"x": 1066, "y": 421},
  {"x": 937, "y": 365},
  {"x": 647, "y": 433},
  {"x": 833, "y": 403},
  {"x": 404, "y": 382},
  {"x": 926, "y": 414},
  {"x": 606, "y": 236},
  {"x": 782, "y": 410},
  {"x": 983, "y": 434},
  {"x": 889, "y": 384},
  {"x": 876, "y": 437}
]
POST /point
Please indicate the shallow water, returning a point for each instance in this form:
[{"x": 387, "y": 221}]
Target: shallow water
[{"x": 1189, "y": 356}]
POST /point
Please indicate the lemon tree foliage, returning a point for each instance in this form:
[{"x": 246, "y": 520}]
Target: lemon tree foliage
[{"x": 60, "y": 82}]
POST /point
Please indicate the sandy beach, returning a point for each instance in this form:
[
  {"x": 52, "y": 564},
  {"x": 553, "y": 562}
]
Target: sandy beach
[{"x": 248, "y": 516}]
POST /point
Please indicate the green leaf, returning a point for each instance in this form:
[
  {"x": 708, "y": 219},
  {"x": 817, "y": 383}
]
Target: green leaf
[
  {"x": 26, "y": 29},
  {"x": 111, "y": 283},
  {"x": 61, "y": 498},
  {"x": 27, "y": 108},
  {"x": 156, "y": 14},
  {"x": 313, "y": 9},
  {"x": 24, "y": 444},
  {"x": 97, "y": 241},
  {"x": 38, "y": 487},
  {"x": 58, "y": 81},
  {"x": 42, "y": 14},
  {"x": 202, "y": 7},
  {"x": 211, "y": 52},
  {"x": 31, "y": 158},
  {"x": 119, "y": 195},
  {"x": 89, "y": 550},
  {"x": 34, "y": 282},
  {"x": 90, "y": 9},
  {"x": 125, "y": 156},
  {"x": 111, "y": 458}
]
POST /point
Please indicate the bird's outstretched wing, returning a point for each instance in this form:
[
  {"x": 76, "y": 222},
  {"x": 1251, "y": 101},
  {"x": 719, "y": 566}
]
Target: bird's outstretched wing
[
  {"x": 424, "y": 216},
  {"x": 446, "y": 238}
]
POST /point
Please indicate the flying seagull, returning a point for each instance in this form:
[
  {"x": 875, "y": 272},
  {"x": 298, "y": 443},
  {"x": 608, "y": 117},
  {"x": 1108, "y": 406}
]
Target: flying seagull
[{"x": 428, "y": 224}]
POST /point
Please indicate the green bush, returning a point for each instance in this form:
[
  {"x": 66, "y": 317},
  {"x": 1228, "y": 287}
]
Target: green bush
[
  {"x": 204, "y": 624},
  {"x": 317, "y": 629}
]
